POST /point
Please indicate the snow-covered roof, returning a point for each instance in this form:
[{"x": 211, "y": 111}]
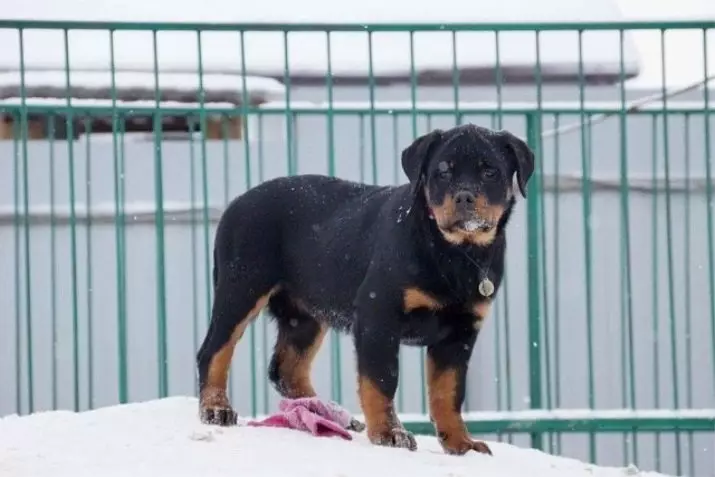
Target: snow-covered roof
[
  {"x": 221, "y": 51},
  {"x": 139, "y": 86}
]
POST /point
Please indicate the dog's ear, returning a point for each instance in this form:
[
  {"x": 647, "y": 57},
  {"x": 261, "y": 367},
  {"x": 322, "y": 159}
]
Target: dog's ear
[
  {"x": 415, "y": 156},
  {"x": 521, "y": 158}
]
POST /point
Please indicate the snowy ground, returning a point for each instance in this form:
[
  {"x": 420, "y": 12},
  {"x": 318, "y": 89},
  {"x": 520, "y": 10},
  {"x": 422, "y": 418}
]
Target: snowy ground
[{"x": 164, "y": 438}]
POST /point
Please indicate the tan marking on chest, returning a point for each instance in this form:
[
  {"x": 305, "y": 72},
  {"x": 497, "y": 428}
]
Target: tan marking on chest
[
  {"x": 414, "y": 298},
  {"x": 481, "y": 312}
]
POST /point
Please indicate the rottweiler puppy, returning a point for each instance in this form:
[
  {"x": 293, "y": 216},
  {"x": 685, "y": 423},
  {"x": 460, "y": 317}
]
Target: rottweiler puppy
[{"x": 416, "y": 264}]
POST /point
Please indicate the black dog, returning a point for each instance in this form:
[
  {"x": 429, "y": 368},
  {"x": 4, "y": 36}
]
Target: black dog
[{"x": 417, "y": 264}]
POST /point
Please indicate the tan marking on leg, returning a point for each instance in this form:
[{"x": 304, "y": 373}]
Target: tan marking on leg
[
  {"x": 379, "y": 411},
  {"x": 294, "y": 366},
  {"x": 414, "y": 298},
  {"x": 448, "y": 422},
  {"x": 481, "y": 312},
  {"x": 214, "y": 392},
  {"x": 442, "y": 392}
]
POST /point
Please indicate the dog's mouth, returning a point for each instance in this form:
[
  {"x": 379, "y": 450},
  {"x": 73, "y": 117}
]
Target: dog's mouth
[
  {"x": 473, "y": 224},
  {"x": 464, "y": 221}
]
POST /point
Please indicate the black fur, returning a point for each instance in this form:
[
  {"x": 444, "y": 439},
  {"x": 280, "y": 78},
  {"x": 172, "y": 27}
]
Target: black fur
[{"x": 342, "y": 254}]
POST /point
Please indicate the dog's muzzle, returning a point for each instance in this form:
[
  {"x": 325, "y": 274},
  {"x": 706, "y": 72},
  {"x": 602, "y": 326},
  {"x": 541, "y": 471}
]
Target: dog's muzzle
[{"x": 475, "y": 224}]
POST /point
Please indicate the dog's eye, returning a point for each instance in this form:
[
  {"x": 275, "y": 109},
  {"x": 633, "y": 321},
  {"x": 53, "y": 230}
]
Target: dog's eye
[
  {"x": 490, "y": 173},
  {"x": 443, "y": 170}
]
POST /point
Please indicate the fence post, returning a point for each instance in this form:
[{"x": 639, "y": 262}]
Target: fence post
[{"x": 533, "y": 208}]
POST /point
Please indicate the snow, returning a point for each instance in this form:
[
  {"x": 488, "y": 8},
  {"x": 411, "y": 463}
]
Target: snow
[
  {"x": 165, "y": 438},
  {"x": 221, "y": 51},
  {"x": 485, "y": 106},
  {"x": 125, "y": 80},
  {"x": 120, "y": 104}
]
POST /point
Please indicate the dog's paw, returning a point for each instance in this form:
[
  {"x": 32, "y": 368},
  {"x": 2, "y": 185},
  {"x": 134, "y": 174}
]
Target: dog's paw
[
  {"x": 356, "y": 425},
  {"x": 397, "y": 437},
  {"x": 218, "y": 415},
  {"x": 462, "y": 445}
]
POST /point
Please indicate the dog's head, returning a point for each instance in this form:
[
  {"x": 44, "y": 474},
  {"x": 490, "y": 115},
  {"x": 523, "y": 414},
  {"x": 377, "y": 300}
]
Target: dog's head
[{"x": 466, "y": 175}]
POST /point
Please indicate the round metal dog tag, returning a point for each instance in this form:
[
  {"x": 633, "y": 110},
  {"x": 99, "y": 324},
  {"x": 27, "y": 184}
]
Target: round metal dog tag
[{"x": 486, "y": 287}]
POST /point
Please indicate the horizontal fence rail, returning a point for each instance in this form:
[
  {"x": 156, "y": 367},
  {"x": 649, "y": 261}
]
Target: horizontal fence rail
[{"x": 121, "y": 144}]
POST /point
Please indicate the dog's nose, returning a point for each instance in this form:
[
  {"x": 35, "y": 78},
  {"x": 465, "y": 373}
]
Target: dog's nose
[{"x": 464, "y": 198}]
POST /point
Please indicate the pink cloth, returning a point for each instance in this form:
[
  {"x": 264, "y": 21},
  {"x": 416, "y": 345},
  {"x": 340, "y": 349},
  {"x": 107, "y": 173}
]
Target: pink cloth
[{"x": 311, "y": 415}]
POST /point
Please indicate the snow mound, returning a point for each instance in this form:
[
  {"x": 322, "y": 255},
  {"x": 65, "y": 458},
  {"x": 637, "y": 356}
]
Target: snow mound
[{"x": 165, "y": 438}]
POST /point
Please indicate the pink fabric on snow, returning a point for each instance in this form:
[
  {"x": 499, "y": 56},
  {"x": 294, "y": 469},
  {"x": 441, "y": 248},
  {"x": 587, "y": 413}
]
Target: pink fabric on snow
[{"x": 312, "y": 415}]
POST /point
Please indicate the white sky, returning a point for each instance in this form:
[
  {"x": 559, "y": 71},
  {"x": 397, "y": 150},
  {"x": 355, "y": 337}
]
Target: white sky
[{"x": 684, "y": 50}]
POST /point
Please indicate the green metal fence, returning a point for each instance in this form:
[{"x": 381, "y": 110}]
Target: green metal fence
[{"x": 630, "y": 253}]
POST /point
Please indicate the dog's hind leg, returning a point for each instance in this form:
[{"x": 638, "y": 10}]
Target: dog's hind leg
[
  {"x": 299, "y": 339},
  {"x": 237, "y": 301}
]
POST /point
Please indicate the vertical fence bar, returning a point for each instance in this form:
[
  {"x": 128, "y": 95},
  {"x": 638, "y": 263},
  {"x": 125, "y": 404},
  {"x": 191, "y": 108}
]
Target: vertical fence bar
[
  {"x": 264, "y": 342},
  {"x": 118, "y": 237},
  {"x": 89, "y": 275},
  {"x": 361, "y": 146},
  {"x": 413, "y": 115},
  {"x": 226, "y": 161},
  {"x": 162, "y": 343},
  {"x": 51, "y": 131},
  {"x": 499, "y": 80},
  {"x": 123, "y": 228},
  {"x": 247, "y": 153},
  {"x": 395, "y": 148},
  {"x": 497, "y": 340},
  {"x": 533, "y": 130},
  {"x": 335, "y": 360},
  {"x": 709, "y": 200},
  {"x": 288, "y": 114},
  {"x": 542, "y": 233},
  {"x": 656, "y": 318},
  {"x": 395, "y": 180},
  {"x": 261, "y": 156},
  {"x": 73, "y": 224},
  {"x": 373, "y": 132},
  {"x": 586, "y": 193},
  {"x": 16, "y": 241},
  {"x": 557, "y": 291},
  {"x": 296, "y": 138},
  {"x": 26, "y": 223},
  {"x": 204, "y": 179},
  {"x": 455, "y": 79},
  {"x": 194, "y": 242},
  {"x": 226, "y": 199},
  {"x": 688, "y": 291},
  {"x": 625, "y": 259},
  {"x": 669, "y": 253}
]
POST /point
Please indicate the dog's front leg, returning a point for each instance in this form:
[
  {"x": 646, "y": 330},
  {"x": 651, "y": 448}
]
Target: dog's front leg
[
  {"x": 447, "y": 363},
  {"x": 377, "y": 345}
]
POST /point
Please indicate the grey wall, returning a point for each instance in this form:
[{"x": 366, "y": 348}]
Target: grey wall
[{"x": 186, "y": 271}]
